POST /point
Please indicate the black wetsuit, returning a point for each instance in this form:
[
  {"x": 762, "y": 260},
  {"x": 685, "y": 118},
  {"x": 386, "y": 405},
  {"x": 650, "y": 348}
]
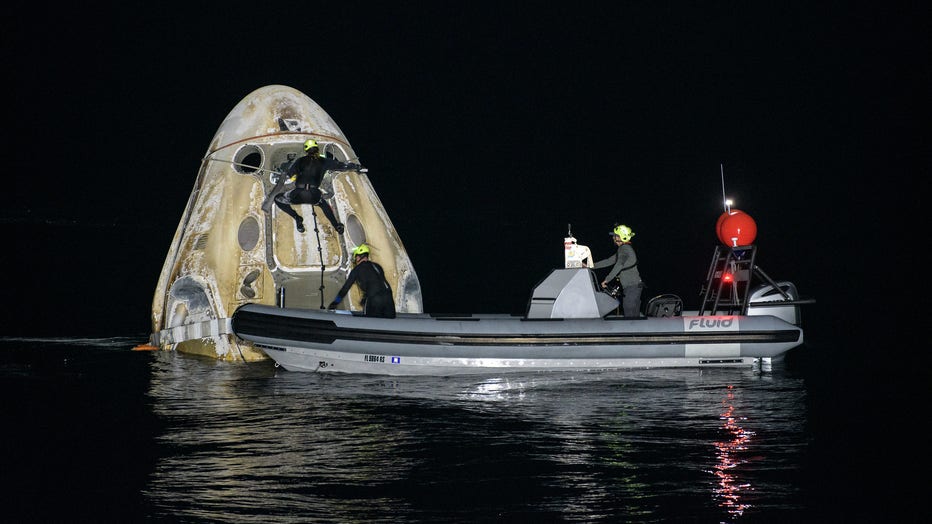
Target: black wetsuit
[
  {"x": 309, "y": 171},
  {"x": 377, "y": 297}
]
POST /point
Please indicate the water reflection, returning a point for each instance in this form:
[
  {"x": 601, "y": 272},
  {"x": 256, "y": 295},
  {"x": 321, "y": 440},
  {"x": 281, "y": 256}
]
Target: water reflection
[
  {"x": 730, "y": 487},
  {"x": 252, "y": 443}
]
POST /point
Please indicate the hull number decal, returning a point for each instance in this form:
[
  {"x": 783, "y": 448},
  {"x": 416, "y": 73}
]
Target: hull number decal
[{"x": 374, "y": 358}]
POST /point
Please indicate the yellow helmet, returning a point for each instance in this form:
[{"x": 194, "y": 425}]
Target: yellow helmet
[
  {"x": 361, "y": 249},
  {"x": 310, "y": 144},
  {"x": 624, "y": 232}
]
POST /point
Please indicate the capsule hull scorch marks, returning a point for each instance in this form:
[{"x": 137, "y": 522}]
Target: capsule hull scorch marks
[{"x": 229, "y": 249}]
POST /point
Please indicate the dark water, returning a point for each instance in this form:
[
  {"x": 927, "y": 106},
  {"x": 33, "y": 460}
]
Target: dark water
[{"x": 96, "y": 432}]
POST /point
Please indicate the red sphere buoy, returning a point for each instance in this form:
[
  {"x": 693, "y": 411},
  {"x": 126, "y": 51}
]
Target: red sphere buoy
[
  {"x": 736, "y": 228},
  {"x": 721, "y": 218}
]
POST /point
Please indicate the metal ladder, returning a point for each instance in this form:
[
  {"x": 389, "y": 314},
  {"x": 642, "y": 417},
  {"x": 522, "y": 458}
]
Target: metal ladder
[{"x": 728, "y": 281}]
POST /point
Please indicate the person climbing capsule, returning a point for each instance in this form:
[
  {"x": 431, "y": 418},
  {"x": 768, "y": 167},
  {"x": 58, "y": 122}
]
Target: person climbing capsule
[{"x": 307, "y": 172}]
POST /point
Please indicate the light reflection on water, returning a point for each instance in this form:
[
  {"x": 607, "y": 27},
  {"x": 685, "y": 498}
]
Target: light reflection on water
[
  {"x": 249, "y": 443},
  {"x": 730, "y": 488}
]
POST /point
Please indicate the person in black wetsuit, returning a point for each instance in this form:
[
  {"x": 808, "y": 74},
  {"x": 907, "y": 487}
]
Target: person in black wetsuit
[
  {"x": 307, "y": 172},
  {"x": 377, "y": 299}
]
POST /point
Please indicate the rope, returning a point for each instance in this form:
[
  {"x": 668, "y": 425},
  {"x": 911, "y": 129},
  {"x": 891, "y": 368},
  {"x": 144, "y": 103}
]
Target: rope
[
  {"x": 320, "y": 254},
  {"x": 259, "y": 169},
  {"x": 321, "y": 136}
]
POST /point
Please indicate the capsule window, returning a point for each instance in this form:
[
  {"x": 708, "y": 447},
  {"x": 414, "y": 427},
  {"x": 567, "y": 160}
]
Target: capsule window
[
  {"x": 248, "y": 159},
  {"x": 248, "y": 234}
]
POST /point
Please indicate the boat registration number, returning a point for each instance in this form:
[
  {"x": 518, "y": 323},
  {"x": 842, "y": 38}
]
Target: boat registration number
[{"x": 375, "y": 358}]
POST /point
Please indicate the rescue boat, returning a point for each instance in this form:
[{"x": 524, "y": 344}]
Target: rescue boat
[{"x": 746, "y": 320}]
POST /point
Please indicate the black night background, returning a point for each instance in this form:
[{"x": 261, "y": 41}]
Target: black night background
[{"x": 487, "y": 129}]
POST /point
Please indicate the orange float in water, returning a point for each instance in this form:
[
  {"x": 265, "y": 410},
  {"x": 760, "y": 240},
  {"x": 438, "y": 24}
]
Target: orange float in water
[{"x": 736, "y": 228}]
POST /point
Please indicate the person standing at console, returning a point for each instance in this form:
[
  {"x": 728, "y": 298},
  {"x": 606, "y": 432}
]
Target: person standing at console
[{"x": 624, "y": 267}]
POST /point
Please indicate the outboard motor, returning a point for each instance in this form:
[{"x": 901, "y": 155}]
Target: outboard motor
[{"x": 764, "y": 298}]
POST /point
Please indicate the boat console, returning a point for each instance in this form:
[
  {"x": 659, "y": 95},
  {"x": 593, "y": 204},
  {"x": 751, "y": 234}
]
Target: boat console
[{"x": 569, "y": 293}]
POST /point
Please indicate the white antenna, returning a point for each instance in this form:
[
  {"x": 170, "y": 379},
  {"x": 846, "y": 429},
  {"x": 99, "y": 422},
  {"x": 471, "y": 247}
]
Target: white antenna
[{"x": 724, "y": 200}]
